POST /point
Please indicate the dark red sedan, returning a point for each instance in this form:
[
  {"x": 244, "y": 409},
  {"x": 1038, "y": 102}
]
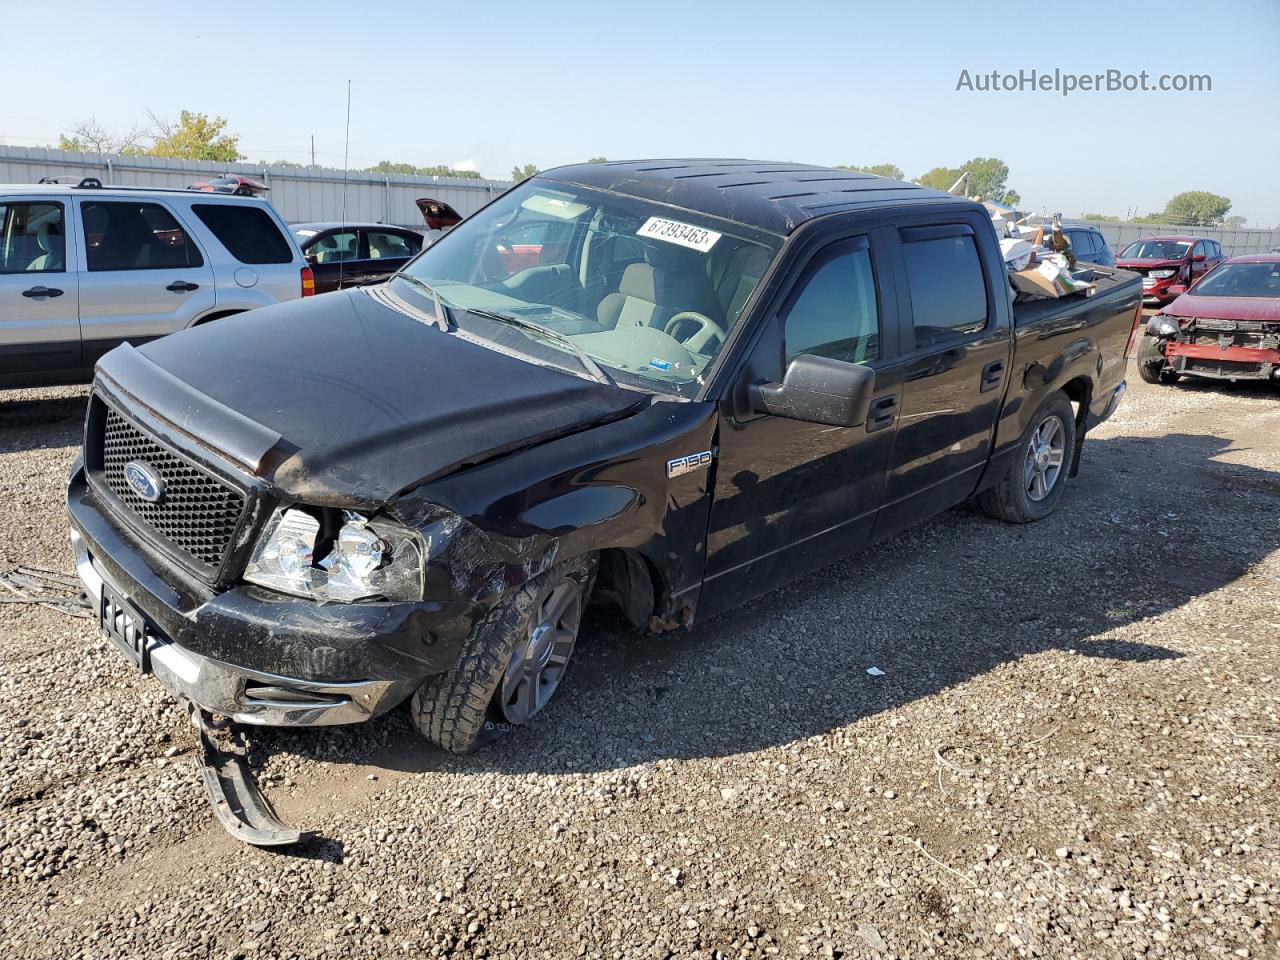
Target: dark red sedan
[
  {"x": 1227, "y": 326},
  {"x": 1167, "y": 261}
]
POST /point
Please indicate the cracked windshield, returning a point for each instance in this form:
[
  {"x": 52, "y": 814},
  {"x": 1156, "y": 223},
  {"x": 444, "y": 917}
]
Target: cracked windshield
[{"x": 608, "y": 287}]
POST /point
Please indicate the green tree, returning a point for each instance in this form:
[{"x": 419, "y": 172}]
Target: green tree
[
  {"x": 523, "y": 173},
  {"x": 939, "y": 178},
  {"x": 1103, "y": 217},
  {"x": 1197, "y": 208},
  {"x": 988, "y": 179},
  {"x": 890, "y": 170},
  {"x": 598, "y": 160},
  {"x": 1235, "y": 223},
  {"x": 194, "y": 137},
  {"x": 439, "y": 170}
]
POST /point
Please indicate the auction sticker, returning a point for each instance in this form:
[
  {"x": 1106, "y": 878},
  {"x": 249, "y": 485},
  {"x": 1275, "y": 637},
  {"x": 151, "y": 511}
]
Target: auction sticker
[{"x": 684, "y": 234}]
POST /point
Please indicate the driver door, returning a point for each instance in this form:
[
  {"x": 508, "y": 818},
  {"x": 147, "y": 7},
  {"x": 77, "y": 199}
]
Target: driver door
[{"x": 791, "y": 496}]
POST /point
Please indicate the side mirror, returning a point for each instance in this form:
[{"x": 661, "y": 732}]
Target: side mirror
[
  {"x": 818, "y": 390},
  {"x": 1198, "y": 258},
  {"x": 1177, "y": 289}
]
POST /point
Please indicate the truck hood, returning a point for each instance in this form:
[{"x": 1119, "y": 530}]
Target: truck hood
[
  {"x": 361, "y": 401},
  {"x": 1261, "y": 309}
]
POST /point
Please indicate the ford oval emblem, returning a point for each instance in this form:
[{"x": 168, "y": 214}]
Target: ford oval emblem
[{"x": 146, "y": 483}]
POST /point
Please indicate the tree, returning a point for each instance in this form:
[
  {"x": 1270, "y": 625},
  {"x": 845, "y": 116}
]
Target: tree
[
  {"x": 598, "y": 160},
  {"x": 1103, "y": 217},
  {"x": 890, "y": 170},
  {"x": 1196, "y": 208},
  {"x": 939, "y": 178},
  {"x": 988, "y": 179},
  {"x": 440, "y": 170},
  {"x": 1235, "y": 223},
  {"x": 193, "y": 137},
  {"x": 89, "y": 136},
  {"x": 523, "y": 173}
]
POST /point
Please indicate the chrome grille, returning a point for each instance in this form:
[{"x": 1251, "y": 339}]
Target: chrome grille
[{"x": 197, "y": 513}]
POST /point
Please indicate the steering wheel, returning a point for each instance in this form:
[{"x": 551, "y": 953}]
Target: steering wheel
[{"x": 707, "y": 329}]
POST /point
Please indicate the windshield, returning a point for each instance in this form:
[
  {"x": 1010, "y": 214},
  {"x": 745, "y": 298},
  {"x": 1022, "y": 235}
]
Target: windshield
[
  {"x": 1156, "y": 250},
  {"x": 647, "y": 292},
  {"x": 1240, "y": 280}
]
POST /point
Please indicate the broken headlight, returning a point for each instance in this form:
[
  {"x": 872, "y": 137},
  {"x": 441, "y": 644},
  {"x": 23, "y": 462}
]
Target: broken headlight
[
  {"x": 336, "y": 556},
  {"x": 1162, "y": 326}
]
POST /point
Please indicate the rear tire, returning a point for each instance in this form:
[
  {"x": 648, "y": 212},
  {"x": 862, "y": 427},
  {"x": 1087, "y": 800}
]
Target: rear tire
[
  {"x": 511, "y": 664},
  {"x": 1037, "y": 472}
]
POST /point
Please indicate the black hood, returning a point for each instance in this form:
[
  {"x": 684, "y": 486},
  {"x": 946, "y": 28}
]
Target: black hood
[{"x": 368, "y": 401}]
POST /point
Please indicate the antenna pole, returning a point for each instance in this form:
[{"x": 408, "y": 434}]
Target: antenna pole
[{"x": 346, "y": 149}]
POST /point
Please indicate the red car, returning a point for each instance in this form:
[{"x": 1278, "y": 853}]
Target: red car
[
  {"x": 1168, "y": 261},
  {"x": 1227, "y": 326}
]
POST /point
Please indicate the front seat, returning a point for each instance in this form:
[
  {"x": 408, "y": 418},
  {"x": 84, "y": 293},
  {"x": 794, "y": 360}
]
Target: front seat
[
  {"x": 52, "y": 248},
  {"x": 651, "y": 293}
]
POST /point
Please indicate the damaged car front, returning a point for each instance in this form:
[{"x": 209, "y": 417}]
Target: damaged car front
[{"x": 306, "y": 517}]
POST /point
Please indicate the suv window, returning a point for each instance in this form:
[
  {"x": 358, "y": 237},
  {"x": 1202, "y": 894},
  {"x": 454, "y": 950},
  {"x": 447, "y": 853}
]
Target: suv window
[
  {"x": 1082, "y": 241},
  {"x": 127, "y": 235},
  {"x": 32, "y": 239},
  {"x": 383, "y": 244},
  {"x": 948, "y": 289},
  {"x": 835, "y": 313},
  {"x": 248, "y": 233}
]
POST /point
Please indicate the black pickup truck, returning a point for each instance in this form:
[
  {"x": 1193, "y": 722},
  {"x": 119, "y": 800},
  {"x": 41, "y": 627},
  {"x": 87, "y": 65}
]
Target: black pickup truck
[{"x": 698, "y": 380}]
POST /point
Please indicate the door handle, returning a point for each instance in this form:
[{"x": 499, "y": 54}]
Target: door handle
[
  {"x": 42, "y": 292},
  {"x": 884, "y": 410},
  {"x": 992, "y": 375},
  {"x": 181, "y": 286}
]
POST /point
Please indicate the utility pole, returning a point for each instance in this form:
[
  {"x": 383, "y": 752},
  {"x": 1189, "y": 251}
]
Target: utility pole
[{"x": 313, "y": 149}]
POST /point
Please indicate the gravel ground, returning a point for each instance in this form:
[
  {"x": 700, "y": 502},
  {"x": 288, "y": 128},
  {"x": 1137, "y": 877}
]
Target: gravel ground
[{"x": 1072, "y": 752}]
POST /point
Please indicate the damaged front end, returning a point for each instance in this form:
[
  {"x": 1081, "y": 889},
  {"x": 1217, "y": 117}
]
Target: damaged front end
[{"x": 1225, "y": 349}]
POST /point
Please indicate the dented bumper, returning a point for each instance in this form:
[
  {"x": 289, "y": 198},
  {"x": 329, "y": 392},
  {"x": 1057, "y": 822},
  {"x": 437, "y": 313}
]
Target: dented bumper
[{"x": 256, "y": 656}]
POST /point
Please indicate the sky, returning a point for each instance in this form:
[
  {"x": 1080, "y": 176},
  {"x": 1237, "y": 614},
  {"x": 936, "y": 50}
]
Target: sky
[{"x": 494, "y": 85}]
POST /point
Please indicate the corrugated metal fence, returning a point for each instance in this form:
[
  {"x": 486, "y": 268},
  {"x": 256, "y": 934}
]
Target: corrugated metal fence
[
  {"x": 299, "y": 193},
  {"x": 1235, "y": 242}
]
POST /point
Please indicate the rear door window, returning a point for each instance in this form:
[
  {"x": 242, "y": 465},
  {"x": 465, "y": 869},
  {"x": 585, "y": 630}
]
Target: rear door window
[
  {"x": 32, "y": 238},
  {"x": 128, "y": 235},
  {"x": 385, "y": 244},
  {"x": 836, "y": 312},
  {"x": 948, "y": 287},
  {"x": 248, "y": 232}
]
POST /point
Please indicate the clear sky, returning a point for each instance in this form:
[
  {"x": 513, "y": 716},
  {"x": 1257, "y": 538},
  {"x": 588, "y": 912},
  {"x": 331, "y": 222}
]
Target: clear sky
[{"x": 491, "y": 85}]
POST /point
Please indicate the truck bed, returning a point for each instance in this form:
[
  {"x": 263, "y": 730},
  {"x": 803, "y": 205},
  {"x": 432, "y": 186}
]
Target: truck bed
[{"x": 1112, "y": 284}]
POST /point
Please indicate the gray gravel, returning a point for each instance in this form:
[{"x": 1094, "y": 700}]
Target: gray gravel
[{"x": 1072, "y": 752}]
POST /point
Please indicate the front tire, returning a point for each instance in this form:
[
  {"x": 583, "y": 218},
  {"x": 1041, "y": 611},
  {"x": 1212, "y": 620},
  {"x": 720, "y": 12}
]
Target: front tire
[
  {"x": 1157, "y": 372},
  {"x": 511, "y": 664},
  {"x": 1037, "y": 473}
]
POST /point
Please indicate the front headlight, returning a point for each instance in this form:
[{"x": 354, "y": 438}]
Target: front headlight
[
  {"x": 363, "y": 559},
  {"x": 1162, "y": 326},
  {"x": 1161, "y": 274}
]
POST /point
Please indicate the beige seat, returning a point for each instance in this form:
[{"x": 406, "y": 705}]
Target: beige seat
[
  {"x": 651, "y": 293},
  {"x": 52, "y": 248}
]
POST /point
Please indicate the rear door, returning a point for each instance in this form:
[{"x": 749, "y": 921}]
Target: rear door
[
  {"x": 385, "y": 251},
  {"x": 142, "y": 276},
  {"x": 792, "y": 496},
  {"x": 39, "y": 324},
  {"x": 957, "y": 340}
]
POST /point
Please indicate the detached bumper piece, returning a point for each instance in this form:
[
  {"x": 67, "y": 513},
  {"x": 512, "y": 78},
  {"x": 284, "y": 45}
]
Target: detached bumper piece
[{"x": 233, "y": 792}]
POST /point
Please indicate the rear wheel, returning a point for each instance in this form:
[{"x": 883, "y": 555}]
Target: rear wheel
[
  {"x": 1037, "y": 472},
  {"x": 512, "y": 663}
]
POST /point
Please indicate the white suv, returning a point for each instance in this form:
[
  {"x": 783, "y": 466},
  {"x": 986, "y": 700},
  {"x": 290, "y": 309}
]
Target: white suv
[{"x": 86, "y": 268}]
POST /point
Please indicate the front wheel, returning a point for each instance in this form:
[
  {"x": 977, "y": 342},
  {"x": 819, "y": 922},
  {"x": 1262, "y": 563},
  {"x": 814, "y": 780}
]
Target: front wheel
[
  {"x": 1157, "y": 372},
  {"x": 1037, "y": 472},
  {"x": 511, "y": 664}
]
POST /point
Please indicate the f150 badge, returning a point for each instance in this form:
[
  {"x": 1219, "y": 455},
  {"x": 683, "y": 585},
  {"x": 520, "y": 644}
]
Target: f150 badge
[{"x": 694, "y": 461}]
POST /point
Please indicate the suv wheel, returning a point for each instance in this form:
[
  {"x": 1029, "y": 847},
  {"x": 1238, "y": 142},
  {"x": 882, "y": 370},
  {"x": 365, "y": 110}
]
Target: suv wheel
[{"x": 512, "y": 663}]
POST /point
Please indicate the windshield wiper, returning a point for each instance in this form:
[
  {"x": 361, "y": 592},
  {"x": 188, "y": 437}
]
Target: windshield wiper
[
  {"x": 588, "y": 362},
  {"x": 442, "y": 311}
]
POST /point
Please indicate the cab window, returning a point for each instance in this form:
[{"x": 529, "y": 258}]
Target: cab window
[
  {"x": 948, "y": 287},
  {"x": 835, "y": 313}
]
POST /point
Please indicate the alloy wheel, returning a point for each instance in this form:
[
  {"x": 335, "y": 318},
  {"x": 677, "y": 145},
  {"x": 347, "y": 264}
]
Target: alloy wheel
[
  {"x": 1045, "y": 455},
  {"x": 541, "y": 656}
]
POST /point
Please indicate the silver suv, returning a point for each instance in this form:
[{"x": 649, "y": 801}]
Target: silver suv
[{"x": 85, "y": 268}]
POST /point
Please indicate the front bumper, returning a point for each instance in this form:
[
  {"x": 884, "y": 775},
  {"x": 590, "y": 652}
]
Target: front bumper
[
  {"x": 1226, "y": 363},
  {"x": 255, "y": 656}
]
